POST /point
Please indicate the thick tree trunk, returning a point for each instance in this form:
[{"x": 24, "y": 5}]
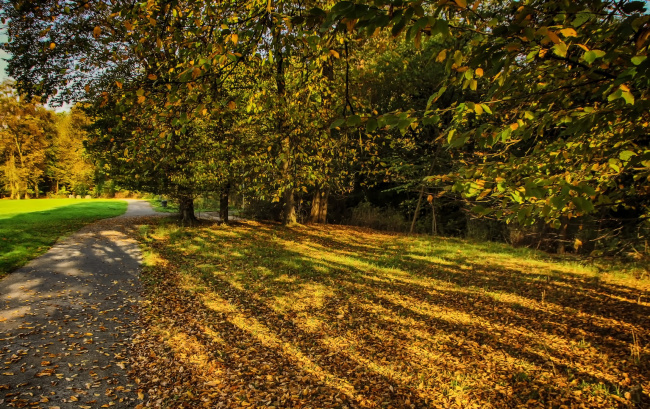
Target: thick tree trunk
[
  {"x": 319, "y": 206},
  {"x": 186, "y": 210},
  {"x": 315, "y": 207},
  {"x": 289, "y": 207},
  {"x": 223, "y": 203}
]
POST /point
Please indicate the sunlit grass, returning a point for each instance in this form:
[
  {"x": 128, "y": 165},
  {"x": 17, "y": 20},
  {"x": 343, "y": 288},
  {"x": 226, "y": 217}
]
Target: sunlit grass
[{"x": 332, "y": 316}]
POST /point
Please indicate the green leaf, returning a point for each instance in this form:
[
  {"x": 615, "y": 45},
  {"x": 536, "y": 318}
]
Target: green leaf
[
  {"x": 580, "y": 19},
  {"x": 337, "y": 123},
  {"x": 615, "y": 95},
  {"x": 560, "y": 49},
  {"x": 628, "y": 97},
  {"x": 614, "y": 165},
  {"x": 638, "y": 59},
  {"x": 486, "y": 108},
  {"x": 626, "y": 155},
  {"x": 371, "y": 125},
  {"x": 589, "y": 57},
  {"x": 354, "y": 120}
]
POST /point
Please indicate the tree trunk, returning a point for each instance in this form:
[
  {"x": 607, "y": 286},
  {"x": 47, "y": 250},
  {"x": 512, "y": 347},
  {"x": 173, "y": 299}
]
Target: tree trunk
[
  {"x": 417, "y": 209},
  {"x": 223, "y": 203},
  {"x": 434, "y": 224},
  {"x": 419, "y": 205},
  {"x": 186, "y": 210},
  {"x": 315, "y": 207},
  {"x": 319, "y": 206},
  {"x": 561, "y": 244},
  {"x": 289, "y": 207}
]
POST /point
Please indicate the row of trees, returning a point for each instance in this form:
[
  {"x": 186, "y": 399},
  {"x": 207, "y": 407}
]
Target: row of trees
[
  {"x": 530, "y": 113},
  {"x": 41, "y": 151}
]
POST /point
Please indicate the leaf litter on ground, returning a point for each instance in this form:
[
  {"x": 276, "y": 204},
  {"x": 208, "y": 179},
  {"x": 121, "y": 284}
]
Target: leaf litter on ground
[{"x": 260, "y": 315}]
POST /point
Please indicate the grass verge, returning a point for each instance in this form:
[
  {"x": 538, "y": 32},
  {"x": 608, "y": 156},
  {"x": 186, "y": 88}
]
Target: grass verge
[
  {"x": 256, "y": 315},
  {"x": 28, "y": 228}
]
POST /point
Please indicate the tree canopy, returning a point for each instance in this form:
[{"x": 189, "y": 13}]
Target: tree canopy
[{"x": 525, "y": 112}]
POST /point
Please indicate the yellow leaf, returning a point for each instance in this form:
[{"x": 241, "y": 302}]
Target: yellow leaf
[
  {"x": 568, "y": 32},
  {"x": 514, "y": 126},
  {"x": 479, "y": 72},
  {"x": 234, "y": 37},
  {"x": 152, "y": 77},
  {"x": 141, "y": 99},
  {"x": 577, "y": 244},
  {"x": 232, "y": 105},
  {"x": 97, "y": 31},
  {"x": 52, "y": 45},
  {"x": 334, "y": 53},
  {"x": 461, "y": 3},
  {"x": 119, "y": 84},
  {"x": 140, "y": 395},
  {"x": 442, "y": 55},
  {"x": 478, "y": 109},
  {"x": 624, "y": 87}
]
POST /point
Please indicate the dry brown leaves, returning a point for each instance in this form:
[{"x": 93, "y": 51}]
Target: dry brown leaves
[{"x": 314, "y": 317}]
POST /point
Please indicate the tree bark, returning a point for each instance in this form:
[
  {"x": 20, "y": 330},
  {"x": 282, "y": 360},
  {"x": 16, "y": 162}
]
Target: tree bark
[
  {"x": 318, "y": 212},
  {"x": 315, "y": 207},
  {"x": 434, "y": 224},
  {"x": 417, "y": 209},
  {"x": 419, "y": 205},
  {"x": 561, "y": 244},
  {"x": 186, "y": 210},
  {"x": 289, "y": 207},
  {"x": 223, "y": 203}
]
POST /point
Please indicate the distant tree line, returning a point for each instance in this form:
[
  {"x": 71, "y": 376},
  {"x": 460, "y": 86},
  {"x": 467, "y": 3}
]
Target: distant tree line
[{"x": 42, "y": 152}]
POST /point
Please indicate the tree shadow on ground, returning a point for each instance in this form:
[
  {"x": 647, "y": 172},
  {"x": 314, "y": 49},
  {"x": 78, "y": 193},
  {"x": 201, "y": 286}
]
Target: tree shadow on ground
[{"x": 336, "y": 311}]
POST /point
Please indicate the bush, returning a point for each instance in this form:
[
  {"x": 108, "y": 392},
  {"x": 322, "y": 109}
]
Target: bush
[
  {"x": 367, "y": 215},
  {"x": 262, "y": 210}
]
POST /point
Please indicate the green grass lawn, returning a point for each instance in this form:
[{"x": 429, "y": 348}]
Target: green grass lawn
[
  {"x": 28, "y": 228},
  {"x": 259, "y": 315}
]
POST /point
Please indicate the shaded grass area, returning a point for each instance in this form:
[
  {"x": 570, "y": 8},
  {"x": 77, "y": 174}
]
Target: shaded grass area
[
  {"x": 172, "y": 207},
  {"x": 330, "y": 316},
  {"x": 28, "y": 228},
  {"x": 157, "y": 206}
]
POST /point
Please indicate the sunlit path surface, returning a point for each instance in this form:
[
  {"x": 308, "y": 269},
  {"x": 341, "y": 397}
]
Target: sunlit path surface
[{"x": 66, "y": 317}]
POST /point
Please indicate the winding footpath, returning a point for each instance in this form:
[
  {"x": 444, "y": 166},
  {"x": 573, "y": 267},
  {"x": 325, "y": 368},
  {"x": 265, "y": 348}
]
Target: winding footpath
[{"x": 66, "y": 319}]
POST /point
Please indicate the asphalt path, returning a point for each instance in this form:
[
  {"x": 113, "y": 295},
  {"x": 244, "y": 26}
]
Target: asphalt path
[{"x": 66, "y": 319}]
